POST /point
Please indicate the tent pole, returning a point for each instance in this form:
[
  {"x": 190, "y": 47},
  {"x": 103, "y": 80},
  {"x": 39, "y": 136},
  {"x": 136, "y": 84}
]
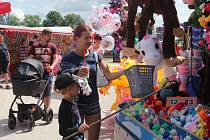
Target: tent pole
[{"x": 8, "y": 18}]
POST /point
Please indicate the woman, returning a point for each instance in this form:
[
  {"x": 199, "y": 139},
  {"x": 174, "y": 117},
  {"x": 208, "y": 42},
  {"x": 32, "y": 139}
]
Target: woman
[
  {"x": 88, "y": 105},
  {"x": 97, "y": 45}
]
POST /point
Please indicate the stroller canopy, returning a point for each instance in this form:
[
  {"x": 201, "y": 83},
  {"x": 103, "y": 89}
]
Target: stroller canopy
[{"x": 28, "y": 69}]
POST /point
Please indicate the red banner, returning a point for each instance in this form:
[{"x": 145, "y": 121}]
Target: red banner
[{"x": 5, "y": 7}]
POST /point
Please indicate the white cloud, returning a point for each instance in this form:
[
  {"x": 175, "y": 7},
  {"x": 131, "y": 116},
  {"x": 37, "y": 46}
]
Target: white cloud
[{"x": 18, "y": 13}]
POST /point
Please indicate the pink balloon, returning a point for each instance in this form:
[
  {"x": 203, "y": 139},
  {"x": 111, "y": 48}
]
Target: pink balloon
[
  {"x": 115, "y": 24},
  {"x": 108, "y": 43},
  {"x": 96, "y": 24},
  {"x": 106, "y": 18}
]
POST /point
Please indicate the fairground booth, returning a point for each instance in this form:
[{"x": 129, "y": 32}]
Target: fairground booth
[{"x": 18, "y": 39}]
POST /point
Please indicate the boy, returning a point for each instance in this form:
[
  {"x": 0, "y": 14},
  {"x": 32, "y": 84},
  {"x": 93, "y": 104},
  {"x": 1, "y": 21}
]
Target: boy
[{"x": 69, "y": 117}]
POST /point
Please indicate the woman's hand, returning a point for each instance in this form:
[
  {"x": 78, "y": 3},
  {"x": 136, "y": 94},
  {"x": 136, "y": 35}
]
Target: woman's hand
[
  {"x": 83, "y": 128},
  {"x": 83, "y": 72}
]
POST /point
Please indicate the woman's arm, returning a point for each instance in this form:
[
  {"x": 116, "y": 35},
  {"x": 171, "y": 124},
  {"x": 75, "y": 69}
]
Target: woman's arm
[{"x": 110, "y": 75}]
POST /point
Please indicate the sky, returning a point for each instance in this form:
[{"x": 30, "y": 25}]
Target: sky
[{"x": 80, "y": 7}]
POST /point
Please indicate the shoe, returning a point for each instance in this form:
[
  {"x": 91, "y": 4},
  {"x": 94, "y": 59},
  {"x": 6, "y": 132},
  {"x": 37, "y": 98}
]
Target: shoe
[
  {"x": 1, "y": 86},
  {"x": 7, "y": 87},
  {"x": 174, "y": 61}
]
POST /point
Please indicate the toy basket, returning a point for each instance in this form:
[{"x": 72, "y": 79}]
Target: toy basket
[{"x": 140, "y": 78}]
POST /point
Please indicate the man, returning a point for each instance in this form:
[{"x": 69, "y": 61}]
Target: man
[
  {"x": 46, "y": 52},
  {"x": 4, "y": 62}
]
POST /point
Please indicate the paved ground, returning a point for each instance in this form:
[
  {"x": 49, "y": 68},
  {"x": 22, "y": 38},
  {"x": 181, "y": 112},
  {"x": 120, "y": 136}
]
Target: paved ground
[{"x": 42, "y": 131}]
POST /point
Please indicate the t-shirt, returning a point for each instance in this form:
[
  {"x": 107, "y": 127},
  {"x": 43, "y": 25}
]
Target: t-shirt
[
  {"x": 43, "y": 53},
  {"x": 3, "y": 53},
  {"x": 69, "y": 120},
  {"x": 72, "y": 61}
]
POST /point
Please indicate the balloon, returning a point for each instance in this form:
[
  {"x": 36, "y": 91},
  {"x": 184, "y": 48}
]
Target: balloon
[
  {"x": 103, "y": 8},
  {"x": 106, "y": 18},
  {"x": 115, "y": 24},
  {"x": 96, "y": 24},
  {"x": 115, "y": 16},
  {"x": 108, "y": 43}
]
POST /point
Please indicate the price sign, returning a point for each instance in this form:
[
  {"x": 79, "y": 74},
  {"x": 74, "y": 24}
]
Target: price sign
[{"x": 188, "y": 101}]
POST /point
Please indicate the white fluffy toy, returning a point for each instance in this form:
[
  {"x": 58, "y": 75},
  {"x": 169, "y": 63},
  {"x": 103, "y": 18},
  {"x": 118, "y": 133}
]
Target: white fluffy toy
[
  {"x": 151, "y": 51},
  {"x": 83, "y": 83}
]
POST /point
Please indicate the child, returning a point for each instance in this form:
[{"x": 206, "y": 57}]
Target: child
[{"x": 69, "y": 118}]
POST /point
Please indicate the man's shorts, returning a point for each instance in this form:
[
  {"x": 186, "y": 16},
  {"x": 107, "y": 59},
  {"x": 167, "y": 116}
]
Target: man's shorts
[
  {"x": 48, "y": 90},
  {"x": 4, "y": 68},
  {"x": 89, "y": 109}
]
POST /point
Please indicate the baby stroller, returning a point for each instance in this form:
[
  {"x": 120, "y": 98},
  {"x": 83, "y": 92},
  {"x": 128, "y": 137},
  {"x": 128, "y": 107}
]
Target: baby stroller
[{"x": 28, "y": 81}]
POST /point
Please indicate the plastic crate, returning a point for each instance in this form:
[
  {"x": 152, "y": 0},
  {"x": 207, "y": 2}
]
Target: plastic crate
[
  {"x": 140, "y": 78},
  {"x": 28, "y": 88}
]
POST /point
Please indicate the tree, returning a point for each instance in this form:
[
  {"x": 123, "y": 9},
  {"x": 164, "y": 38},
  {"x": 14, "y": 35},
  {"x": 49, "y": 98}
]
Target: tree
[
  {"x": 72, "y": 20},
  {"x": 53, "y": 18},
  {"x": 14, "y": 20},
  {"x": 32, "y": 21}
]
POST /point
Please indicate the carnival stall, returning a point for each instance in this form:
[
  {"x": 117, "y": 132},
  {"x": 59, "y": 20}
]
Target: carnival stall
[
  {"x": 17, "y": 40},
  {"x": 167, "y": 103}
]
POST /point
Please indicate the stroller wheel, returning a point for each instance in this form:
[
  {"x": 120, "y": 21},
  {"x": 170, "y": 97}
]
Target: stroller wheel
[
  {"x": 30, "y": 122},
  {"x": 12, "y": 122},
  {"x": 49, "y": 116}
]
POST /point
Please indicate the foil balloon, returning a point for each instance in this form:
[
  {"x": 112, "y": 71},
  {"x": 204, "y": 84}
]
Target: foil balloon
[
  {"x": 106, "y": 18},
  {"x": 96, "y": 24},
  {"x": 108, "y": 43},
  {"x": 115, "y": 25},
  {"x": 103, "y": 8},
  {"x": 115, "y": 16}
]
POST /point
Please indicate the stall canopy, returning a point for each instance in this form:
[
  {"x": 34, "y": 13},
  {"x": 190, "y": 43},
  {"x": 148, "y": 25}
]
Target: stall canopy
[{"x": 5, "y": 7}]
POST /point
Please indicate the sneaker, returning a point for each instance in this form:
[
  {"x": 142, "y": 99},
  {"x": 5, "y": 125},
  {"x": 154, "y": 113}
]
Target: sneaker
[{"x": 7, "y": 87}]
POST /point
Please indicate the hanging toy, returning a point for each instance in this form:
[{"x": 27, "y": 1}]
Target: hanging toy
[{"x": 108, "y": 43}]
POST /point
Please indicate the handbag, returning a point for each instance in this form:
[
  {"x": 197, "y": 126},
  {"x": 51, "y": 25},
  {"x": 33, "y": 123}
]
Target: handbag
[{"x": 101, "y": 80}]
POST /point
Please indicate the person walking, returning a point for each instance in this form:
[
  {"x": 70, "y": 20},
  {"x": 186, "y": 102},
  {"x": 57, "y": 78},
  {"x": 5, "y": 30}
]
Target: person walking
[{"x": 4, "y": 62}]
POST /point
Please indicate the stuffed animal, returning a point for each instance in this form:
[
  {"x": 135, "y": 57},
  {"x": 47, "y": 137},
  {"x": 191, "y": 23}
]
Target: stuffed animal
[
  {"x": 151, "y": 51},
  {"x": 167, "y": 9}
]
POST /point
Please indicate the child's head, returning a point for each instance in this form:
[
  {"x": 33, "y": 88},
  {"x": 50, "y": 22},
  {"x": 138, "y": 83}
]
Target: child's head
[{"x": 67, "y": 84}]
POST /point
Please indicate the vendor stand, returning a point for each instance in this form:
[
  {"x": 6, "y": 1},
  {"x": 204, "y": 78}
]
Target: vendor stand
[{"x": 17, "y": 40}]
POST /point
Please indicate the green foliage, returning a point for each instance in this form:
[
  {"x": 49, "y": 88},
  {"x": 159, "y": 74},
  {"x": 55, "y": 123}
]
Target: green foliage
[
  {"x": 14, "y": 21},
  {"x": 32, "y": 21},
  {"x": 72, "y": 20},
  {"x": 53, "y": 18}
]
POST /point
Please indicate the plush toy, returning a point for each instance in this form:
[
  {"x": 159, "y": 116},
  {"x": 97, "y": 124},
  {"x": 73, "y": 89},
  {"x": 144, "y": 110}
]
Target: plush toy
[
  {"x": 151, "y": 52},
  {"x": 167, "y": 9}
]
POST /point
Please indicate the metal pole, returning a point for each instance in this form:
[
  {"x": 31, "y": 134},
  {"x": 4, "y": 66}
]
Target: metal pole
[{"x": 8, "y": 18}]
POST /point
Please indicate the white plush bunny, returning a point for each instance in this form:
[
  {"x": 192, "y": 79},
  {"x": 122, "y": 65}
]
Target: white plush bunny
[
  {"x": 83, "y": 83},
  {"x": 151, "y": 52}
]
